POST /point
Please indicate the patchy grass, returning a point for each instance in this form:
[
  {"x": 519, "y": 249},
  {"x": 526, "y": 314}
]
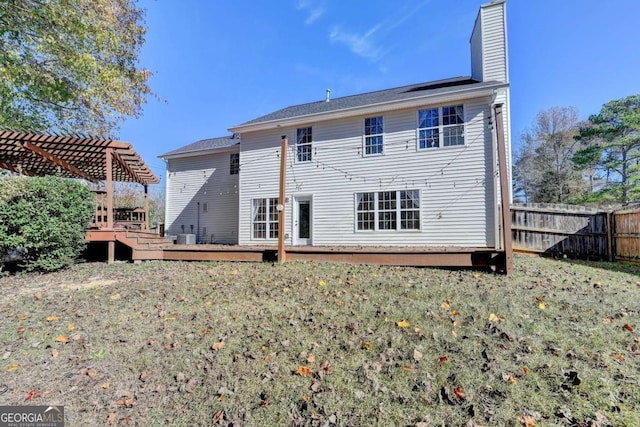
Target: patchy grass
[{"x": 323, "y": 344}]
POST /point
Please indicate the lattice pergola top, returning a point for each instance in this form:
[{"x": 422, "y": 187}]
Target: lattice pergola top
[{"x": 71, "y": 157}]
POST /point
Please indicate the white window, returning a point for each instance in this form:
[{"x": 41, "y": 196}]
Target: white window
[
  {"x": 265, "y": 218},
  {"x": 443, "y": 126},
  {"x": 304, "y": 140},
  {"x": 234, "y": 164},
  {"x": 373, "y": 132},
  {"x": 388, "y": 210}
]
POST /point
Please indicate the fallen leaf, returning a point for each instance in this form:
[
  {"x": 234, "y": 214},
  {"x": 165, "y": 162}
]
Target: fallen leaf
[
  {"x": 446, "y": 305},
  {"x": 303, "y": 371},
  {"x": 111, "y": 418},
  {"x": 540, "y": 299},
  {"x": 541, "y": 306},
  {"x": 442, "y": 359},
  {"x": 628, "y": 327},
  {"x": 52, "y": 318},
  {"x": 91, "y": 373},
  {"x": 459, "y": 392},
  {"x": 126, "y": 401},
  {"x": 106, "y": 386},
  {"x": 12, "y": 367},
  {"x": 525, "y": 370},
  {"x": 62, "y": 338},
  {"x": 455, "y": 313},
  {"x": 607, "y": 319},
  {"x": 217, "y": 346},
  {"x": 495, "y": 318},
  {"x": 71, "y": 327},
  {"x": 366, "y": 345},
  {"x": 417, "y": 356},
  {"x": 115, "y": 297},
  {"x": 512, "y": 379},
  {"x": 54, "y": 353},
  {"x": 322, "y": 283},
  {"x": 217, "y": 417},
  {"x": 618, "y": 357},
  {"x": 30, "y": 395},
  {"x": 403, "y": 324},
  {"x": 311, "y": 358},
  {"x": 21, "y": 329},
  {"x": 527, "y": 421},
  {"x": 407, "y": 368},
  {"x": 38, "y": 296}
]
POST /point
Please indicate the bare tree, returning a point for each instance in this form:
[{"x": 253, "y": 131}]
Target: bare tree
[{"x": 544, "y": 168}]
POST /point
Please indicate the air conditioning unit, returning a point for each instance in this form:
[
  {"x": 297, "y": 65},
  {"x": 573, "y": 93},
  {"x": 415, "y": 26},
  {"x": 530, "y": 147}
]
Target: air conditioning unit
[{"x": 186, "y": 239}]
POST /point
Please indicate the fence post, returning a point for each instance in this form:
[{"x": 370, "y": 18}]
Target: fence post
[{"x": 611, "y": 236}]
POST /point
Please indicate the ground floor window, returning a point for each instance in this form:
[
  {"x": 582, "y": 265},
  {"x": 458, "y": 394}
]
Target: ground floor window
[
  {"x": 265, "y": 218},
  {"x": 388, "y": 210}
]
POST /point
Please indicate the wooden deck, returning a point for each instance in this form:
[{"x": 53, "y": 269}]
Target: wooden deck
[{"x": 148, "y": 246}]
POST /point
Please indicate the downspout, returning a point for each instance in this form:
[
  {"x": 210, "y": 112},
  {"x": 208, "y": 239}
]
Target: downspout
[{"x": 494, "y": 174}]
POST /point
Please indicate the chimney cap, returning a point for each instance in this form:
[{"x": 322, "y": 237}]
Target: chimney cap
[{"x": 328, "y": 96}]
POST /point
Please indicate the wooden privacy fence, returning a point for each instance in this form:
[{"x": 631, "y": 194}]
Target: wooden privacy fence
[{"x": 576, "y": 231}]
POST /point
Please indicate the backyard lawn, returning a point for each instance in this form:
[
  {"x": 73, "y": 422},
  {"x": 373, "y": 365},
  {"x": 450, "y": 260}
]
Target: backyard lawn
[{"x": 260, "y": 344}]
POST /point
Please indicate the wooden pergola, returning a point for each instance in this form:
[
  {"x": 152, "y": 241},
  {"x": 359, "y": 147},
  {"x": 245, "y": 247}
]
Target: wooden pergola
[{"x": 91, "y": 158}]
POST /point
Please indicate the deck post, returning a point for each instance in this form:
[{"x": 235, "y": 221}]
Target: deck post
[
  {"x": 111, "y": 244},
  {"x": 282, "y": 254},
  {"x": 146, "y": 207},
  {"x": 507, "y": 244}
]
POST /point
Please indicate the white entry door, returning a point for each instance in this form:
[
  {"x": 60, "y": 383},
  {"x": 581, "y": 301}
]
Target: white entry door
[{"x": 302, "y": 221}]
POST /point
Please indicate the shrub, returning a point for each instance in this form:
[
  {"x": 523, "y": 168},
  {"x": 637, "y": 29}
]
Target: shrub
[{"x": 45, "y": 218}]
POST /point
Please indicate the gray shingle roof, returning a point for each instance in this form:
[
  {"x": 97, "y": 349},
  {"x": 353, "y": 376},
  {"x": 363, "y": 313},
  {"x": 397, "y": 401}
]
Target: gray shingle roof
[
  {"x": 205, "y": 145},
  {"x": 370, "y": 98}
]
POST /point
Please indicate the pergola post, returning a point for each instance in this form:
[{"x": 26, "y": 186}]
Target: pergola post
[
  {"x": 111, "y": 245},
  {"x": 146, "y": 207}
]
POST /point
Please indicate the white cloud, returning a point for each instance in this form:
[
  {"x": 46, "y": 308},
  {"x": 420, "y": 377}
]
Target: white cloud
[
  {"x": 314, "y": 9},
  {"x": 314, "y": 14},
  {"x": 369, "y": 45},
  {"x": 362, "y": 45}
]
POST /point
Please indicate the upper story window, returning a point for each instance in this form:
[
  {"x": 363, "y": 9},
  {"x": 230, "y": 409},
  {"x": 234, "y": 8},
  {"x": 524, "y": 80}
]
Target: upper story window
[
  {"x": 234, "y": 164},
  {"x": 373, "y": 131},
  {"x": 304, "y": 139},
  {"x": 443, "y": 126}
]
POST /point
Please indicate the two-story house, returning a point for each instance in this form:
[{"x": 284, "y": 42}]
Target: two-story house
[{"x": 410, "y": 166}]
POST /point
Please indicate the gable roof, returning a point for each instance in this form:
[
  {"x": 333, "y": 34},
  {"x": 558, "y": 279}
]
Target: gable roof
[
  {"x": 209, "y": 144},
  {"x": 398, "y": 94}
]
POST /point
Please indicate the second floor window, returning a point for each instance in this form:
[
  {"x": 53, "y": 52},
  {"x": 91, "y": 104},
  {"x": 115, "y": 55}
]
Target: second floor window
[
  {"x": 441, "y": 127},
  {"x": 304, "y": 139},
  {"x": 234, "y": 164},
  {"x": 373, "y": 131}
]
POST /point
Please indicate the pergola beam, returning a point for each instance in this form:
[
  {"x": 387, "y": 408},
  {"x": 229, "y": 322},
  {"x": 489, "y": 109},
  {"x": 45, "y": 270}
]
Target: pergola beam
[
  {"x": 126, "y": 167},
  {"x": 57, "y": 161}
]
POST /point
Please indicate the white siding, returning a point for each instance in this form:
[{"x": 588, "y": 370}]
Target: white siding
[
  {"x": 489, "y": 44},
  {"x": 456, "y": 183},
  {"x": 203, "y": 179}
]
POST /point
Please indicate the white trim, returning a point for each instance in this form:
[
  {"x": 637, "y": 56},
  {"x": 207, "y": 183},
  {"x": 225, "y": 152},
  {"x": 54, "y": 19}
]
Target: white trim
[
  {"x": 371, "y": 109},
  {"x": 230, "y": 149}
]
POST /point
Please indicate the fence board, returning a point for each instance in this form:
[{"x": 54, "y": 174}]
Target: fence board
[
  {"x": 627, "y": 235},
  {"x": 574, "y": 231}
]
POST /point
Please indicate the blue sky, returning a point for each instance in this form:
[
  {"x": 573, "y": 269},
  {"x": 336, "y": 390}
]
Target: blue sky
[{"x": 221, "y": 63}]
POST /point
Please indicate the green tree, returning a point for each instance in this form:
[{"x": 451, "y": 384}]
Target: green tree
[
  {"x": 70, "y": 65},
  {"x": 611, "y": 145},
  {"x": 544, "y": 171}
]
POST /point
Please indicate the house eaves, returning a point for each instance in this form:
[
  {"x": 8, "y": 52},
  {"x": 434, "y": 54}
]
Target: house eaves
[
  {"x": 205, "y": 146},
  {"x": 449, "y": 94}
]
